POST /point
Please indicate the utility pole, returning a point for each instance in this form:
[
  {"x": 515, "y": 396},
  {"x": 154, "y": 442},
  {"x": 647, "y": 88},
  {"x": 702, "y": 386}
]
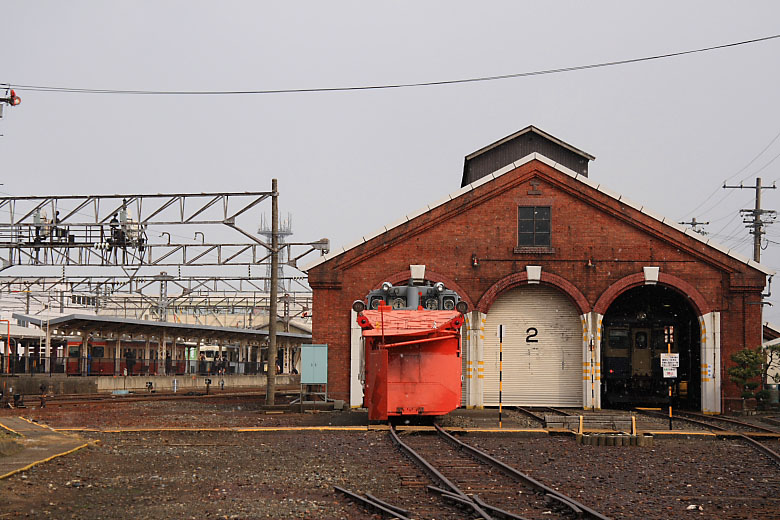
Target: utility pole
[
  {"x": 270, "y": 386},
  {"x": 752, "y": 217},
  {"x": 695, "y": 224}
]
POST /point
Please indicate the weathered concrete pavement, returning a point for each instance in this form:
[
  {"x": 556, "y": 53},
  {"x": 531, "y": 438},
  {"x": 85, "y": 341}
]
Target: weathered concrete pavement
[{"x": 40, "y": 444}]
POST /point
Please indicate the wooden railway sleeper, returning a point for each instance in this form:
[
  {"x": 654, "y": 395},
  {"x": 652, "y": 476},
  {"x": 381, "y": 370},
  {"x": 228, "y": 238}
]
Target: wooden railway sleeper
[
  {"x": 512, "y": 472},
  {"x": 436, "y": 475}
]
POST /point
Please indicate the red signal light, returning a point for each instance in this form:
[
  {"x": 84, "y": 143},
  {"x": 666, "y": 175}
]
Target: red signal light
[{"x": 15, "y": 100}]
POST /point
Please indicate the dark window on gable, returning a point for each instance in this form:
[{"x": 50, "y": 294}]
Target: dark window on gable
[{"x": 533, "y": 226}]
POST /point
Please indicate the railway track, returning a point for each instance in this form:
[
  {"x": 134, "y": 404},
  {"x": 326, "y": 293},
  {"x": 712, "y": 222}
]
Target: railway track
[
  {"x": 537, "y": 412},
  {"x": 708, "y": 422},
  {"x": 87, "y": 399},
  {"x": 741, "y": 425},
  {"x": 483, "y": 485}
]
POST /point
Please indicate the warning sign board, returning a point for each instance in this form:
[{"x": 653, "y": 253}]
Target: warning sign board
[
  {"x": 670, "y": 361},
  {"x": 670, "y": 372}
]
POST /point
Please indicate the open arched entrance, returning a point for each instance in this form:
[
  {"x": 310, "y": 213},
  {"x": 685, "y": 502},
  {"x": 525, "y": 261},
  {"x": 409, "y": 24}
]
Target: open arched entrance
[{"x": 634, "y": 337}]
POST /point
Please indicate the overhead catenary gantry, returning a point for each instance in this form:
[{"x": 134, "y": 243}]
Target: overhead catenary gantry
[
  {"x": 146, "y": 254},
  {"x": 143, "y": 285},
  {"x": 125, "y": 230}
]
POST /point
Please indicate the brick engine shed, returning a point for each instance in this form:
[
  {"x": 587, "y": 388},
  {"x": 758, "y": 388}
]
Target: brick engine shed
[{"x": 590, "y": 287}]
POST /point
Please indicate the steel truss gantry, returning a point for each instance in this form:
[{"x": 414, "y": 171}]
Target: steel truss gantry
[
  {"x": 119, "y": 230},
  {"x": 125, "y": 238},
  {"x": 141, "y": 285}
]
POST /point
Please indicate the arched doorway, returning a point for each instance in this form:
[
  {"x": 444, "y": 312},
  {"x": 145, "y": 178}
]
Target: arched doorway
[
  {"x": 635, "y": 334},
  {"x": 542, "y": 348}
]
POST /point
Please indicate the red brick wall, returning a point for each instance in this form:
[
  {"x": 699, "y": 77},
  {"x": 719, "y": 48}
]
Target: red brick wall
[{"x": 586, "y": 225}]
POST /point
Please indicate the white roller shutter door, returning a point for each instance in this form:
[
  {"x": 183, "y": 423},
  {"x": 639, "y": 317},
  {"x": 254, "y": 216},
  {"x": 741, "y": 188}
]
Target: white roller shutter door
[{"x": 542, "y": 349}]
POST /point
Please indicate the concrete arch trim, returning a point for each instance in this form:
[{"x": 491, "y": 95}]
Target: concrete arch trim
[
  {"x": 449, "y": 283},
  {"x": 516, "y": 279},
  {"x": 696, "y": 299}
]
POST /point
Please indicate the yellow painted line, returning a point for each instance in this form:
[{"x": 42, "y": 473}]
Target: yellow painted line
[
  {"x": 651, "y": 409},
  {"x": 502, "y": 430},
  {"x": 11, "y": 430},
  {"x": 231, "y": 429},
  {"x": 47, "y": 459},
  {"x": 304, "y": 428},
  {"x": 679, "y": 432},
  {"x": 131, "y": 430},
  {"x": 40, "y": 425}
]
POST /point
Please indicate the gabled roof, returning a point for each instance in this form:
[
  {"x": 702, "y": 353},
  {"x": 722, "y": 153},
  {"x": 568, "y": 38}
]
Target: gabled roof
[
  {"x": 528, "y": 129},
  {"x": 731, "y": 252}
]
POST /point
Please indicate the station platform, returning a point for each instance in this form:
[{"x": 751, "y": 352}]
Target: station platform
[{"x": 60, "y": 384}]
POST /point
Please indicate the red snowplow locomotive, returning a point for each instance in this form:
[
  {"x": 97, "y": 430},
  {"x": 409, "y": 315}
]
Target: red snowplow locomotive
[{"x": 412, "y": 350}]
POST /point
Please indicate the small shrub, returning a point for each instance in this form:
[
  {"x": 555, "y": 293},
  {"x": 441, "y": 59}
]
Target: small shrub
[{"x": 747, "y": 367}]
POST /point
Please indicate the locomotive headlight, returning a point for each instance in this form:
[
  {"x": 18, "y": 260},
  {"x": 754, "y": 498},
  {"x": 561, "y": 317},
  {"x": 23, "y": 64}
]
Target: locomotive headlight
[
  {"x": 462, "y": 307},
  {"x": 399, "y": 303},
  {"x": 375, "y": 303},
  {"x": 358, "y": 306},
  {"x": 439, "y": 286},
  {"x": 449, "y": 304},
  {"x": 386, "y": 286},
  {"x": 432, "y": 304}
]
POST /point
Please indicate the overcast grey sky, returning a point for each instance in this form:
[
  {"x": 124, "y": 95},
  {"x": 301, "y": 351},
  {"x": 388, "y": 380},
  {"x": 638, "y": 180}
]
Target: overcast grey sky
[{"x": 666, "y": 133}]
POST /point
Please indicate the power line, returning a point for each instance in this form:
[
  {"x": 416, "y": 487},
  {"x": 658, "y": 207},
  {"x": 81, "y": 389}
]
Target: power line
[
  {"x": 754, "y": 159},
  {"x": 75, "y": 90}
]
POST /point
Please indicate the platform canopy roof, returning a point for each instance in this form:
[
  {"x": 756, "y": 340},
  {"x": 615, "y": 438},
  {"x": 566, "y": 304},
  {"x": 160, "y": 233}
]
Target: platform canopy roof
[
  {"x": 69, "y": 324},
  {"x": 16, "y": 332}
]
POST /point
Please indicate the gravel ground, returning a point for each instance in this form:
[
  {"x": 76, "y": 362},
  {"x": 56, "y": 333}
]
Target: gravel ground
[
  {"x": 191, "y": 413},
  {"x": 659, "y": 482},
  {"x": 290, "y": 474}
]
